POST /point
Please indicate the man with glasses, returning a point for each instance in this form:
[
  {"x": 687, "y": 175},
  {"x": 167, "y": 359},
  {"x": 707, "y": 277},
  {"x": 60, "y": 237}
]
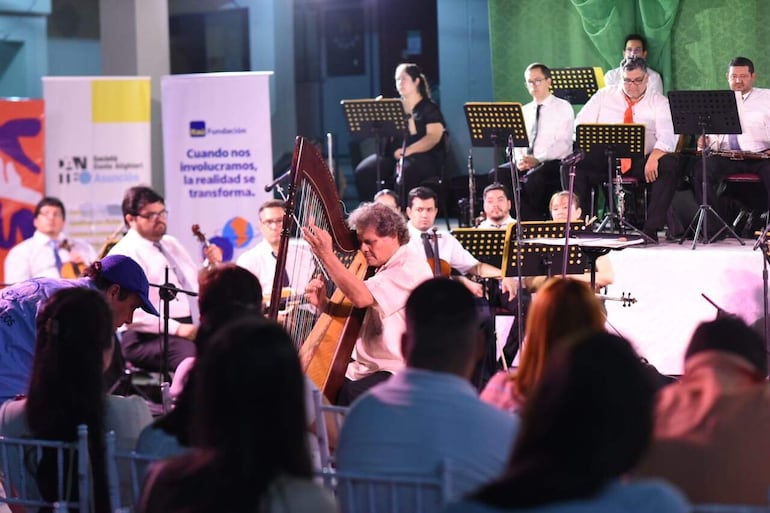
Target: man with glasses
[
  {"x": 635, "y": 47},
  {"x": 147, "y": 242},
  {"x": 754, "y": 114},
  {"x": 632, "y": 102},
  {"x": 49, "y": 253},
  {"x": 548, "y": 120},
  {"x": 260, "y": 260}
]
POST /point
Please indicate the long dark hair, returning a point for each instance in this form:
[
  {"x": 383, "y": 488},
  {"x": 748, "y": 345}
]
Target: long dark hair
[
  {"x": 414, "y": 71},
  {"x": 249, "y": 424},
  {"x": 587, "y": 422},
  {"x": 74, "y": 329}
]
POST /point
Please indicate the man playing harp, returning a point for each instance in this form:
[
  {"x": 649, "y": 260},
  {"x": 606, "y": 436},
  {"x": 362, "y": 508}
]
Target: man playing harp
[{"x": 383, "y": 236}]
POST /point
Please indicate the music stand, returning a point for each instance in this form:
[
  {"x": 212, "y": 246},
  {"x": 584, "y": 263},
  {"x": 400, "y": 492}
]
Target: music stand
[
  {"x": 491, "y": 124},
  {"x": 380, "y": 119},
  {"x": 486, "y": 245},
  {"x": 538, "y": 259},
  {"x": 621, "y": 140},
  {"x": 576, "y": 85},
  {"x": 702, "y": 112}
]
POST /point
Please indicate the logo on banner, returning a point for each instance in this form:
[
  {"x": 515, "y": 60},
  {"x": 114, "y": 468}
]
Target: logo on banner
[
  {"x": 74, "y": 169},
  {"x": 197, "y": 129}
]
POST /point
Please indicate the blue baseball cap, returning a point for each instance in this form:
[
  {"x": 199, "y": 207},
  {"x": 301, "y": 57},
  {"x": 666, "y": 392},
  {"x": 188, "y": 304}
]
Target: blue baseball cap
[{"x": 123, "y": 271}]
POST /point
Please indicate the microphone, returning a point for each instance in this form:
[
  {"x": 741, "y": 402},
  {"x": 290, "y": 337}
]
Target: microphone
[
  {"x": 509, "y": 148},
  {"x": 573, "y": 158},
  {"x": 269, "y": 187}
]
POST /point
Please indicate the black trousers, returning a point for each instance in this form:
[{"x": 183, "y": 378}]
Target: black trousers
[
  {"x": 145, "y": 350},
  {"x": 350, "y": 389},
  {"x": 592, "y": 172},
  {"x": 417, "y": 168}
]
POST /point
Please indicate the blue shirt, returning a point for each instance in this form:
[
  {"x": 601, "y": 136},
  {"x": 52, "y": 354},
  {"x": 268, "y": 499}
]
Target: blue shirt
[
  {"x": 19, "y": 306},
  {"x": 633, "y": 497},
  {"x": 417, "y": 420}
]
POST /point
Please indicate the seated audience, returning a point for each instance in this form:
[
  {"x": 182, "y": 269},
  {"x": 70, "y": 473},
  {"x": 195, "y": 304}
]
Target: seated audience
[
  {"x": 562, "y": 309},
  {"x": 711, "y": 427},
  {"x": 585, "y": 426},
  {"x": 429, "y": 412},
  {"x": 74, "y": 346},
  {"x": 248, "y": 430}
]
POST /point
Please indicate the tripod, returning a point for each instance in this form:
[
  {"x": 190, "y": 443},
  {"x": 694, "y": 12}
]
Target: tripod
[
  {"x": 702, "y": 112},
  {"x": 625, "y": 140}
]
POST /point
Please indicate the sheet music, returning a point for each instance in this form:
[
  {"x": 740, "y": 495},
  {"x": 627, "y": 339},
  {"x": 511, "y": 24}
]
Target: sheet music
[{"x": 597, "y": 242}]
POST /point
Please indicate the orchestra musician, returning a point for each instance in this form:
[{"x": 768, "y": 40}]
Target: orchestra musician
[
  {"x": 261, "y": 259},
  {"x": 389, "y": 198},
  {"x": 549, "y": 121},
  {"x": 497, "y": 207},
  {"x": 754, "y": 115},
  {"x": 147, "y": 242},
  {"x": 384, "y": 238},
  {"x": 423, "y": 148},
  {"x": 49, "y": 253}
]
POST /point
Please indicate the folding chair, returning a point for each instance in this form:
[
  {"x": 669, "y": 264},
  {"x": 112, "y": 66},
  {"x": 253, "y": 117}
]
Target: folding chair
[
  {"x": 125, "y": 475},
  {"x": 322, "y": 413},
  {"x": 364, "y": 493},
  {"x": 20, "y": 456}
]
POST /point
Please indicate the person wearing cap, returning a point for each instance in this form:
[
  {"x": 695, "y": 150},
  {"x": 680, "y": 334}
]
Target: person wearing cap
[
  {"x": 147, "y": 242},
  {"x": 120, "y": 280},
  {"x": 711, "y": 428}
]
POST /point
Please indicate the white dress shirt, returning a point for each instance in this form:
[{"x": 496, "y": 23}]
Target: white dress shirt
[
  {"x": 754, "y": 114},
  {"x": 300, "y": 265},
  {"x": 487, "y": 224},
  {"x": 609, "y": 104},
  {"x": 33, "y": 258},
  {"x": 449, "y": 249},
  {"x": 554, "y": 129},
  {"x": 614, "y": 78}
]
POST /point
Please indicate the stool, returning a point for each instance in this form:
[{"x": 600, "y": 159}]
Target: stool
[{"x": 748, "y": 211}]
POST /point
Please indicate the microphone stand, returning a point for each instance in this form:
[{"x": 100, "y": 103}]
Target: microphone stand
[
  {"x": 269, "y": 187},
  {"x": 516, "y": 184},
  {"x": 572, "y": 162},
  {"x": 167, "y": 293},
  {"x": 763, "y": 244}
]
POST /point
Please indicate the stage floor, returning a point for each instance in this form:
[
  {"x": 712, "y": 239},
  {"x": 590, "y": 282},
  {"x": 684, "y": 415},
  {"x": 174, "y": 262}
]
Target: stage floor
[{"x": 668, "y": 279}]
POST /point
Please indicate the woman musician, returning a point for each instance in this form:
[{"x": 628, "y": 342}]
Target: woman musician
[{"x": 421, "y": 154}]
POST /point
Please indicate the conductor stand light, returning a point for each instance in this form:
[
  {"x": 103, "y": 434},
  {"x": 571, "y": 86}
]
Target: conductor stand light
[{"x": 167, "y": 291}]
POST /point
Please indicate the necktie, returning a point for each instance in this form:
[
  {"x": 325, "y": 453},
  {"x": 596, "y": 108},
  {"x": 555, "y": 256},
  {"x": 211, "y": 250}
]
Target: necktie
[
  {"x": 732, "y": 139},
  {"x": 426, "y": 243},
  {"x": 628, "y": 117},
  {"x": 531, "y": 148},
  {"x": 56, "y": 258},
  {"x": 183, "y": 282}
]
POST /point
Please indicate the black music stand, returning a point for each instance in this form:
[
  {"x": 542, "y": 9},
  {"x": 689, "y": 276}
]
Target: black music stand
[
  {"x": 491, "y": 124},
  {"x": 622, "y": 140},
  {"x": 539, "y": 259},
  {"x": 380, "y": 119},
  {"x": 576, "y": 85},
  {"x": 702, "y": 112},
  {"x": 486, "y": 245}
]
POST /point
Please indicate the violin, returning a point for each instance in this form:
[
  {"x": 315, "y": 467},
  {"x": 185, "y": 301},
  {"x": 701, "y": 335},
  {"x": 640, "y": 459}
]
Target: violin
[
  {"x": 440, "y": 268},
  {"x": 625, "y": 299},
  {"x": 196, "y": 230},
  {"x": 70, "y": 270}
]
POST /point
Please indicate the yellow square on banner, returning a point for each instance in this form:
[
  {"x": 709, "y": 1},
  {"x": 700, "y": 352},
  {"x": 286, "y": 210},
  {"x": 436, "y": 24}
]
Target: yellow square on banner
[{"x": 120, "y": 101}]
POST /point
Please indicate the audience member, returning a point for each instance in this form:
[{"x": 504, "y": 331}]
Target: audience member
[
  {"x": 119, "y": 279},
  {"x": 711, "y": 427},
  {"x": 155, "y": 251},
  {"x": 248, "y": 431},
  {"x": 384, "y": 241},
  {"x": 74, "y": 346},
  {"x": 49, "y": 253},
  {"x": 586, "y": 425},
  {"x": 561, "y": 310},
  {"x": 429, "y": 412}
]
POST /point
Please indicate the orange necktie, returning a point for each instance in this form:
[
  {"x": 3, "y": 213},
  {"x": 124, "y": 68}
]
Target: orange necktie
[{"x": 628, "y": 117}]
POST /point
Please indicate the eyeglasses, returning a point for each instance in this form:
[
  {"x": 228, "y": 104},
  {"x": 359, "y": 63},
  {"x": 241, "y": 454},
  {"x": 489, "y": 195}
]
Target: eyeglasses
[
  {"x": 272, "y": 222},
  {"x": 635, "y": 81},
  {"x": 152, "y": 216},
  {"x": 536, "y": 82}
]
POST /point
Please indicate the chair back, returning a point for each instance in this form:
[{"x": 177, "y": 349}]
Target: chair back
[
  {"x": 18, "y": 461},
  {"x": 365, "y": 493},
  {"x": 125, "y": 475},
  {"x": 323, "y": 414}
]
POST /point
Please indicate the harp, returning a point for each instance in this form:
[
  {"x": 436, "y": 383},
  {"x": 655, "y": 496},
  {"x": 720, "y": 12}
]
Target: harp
[{"x": 325, "y": 340}]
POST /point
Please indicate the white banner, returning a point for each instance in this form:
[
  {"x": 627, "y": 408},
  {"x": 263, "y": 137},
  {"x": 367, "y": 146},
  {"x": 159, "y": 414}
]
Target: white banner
[
  {"x": 97, "y": 146},
  {"x": 217, "y": 155}
]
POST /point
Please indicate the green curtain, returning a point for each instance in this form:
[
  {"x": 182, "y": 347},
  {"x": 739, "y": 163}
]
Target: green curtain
[{"x": 691, "y": 41}]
